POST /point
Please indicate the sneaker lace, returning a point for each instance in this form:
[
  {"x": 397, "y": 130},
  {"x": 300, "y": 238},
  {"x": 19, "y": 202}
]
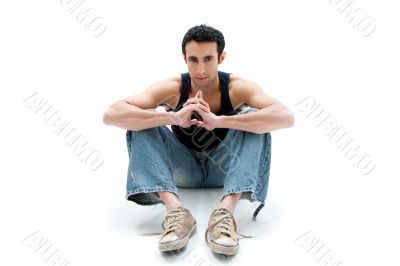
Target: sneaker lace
[
  {"x": 225, "y": 224},
  {"x": 171, "y": 223}
]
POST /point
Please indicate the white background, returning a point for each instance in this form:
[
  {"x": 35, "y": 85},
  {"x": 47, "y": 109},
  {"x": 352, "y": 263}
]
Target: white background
[{"x": 292, "y": 49}]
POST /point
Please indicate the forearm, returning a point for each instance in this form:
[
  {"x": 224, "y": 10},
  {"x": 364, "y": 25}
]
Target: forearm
[
  {"x": 130, "y": 117},
  {"x": 262, "y": 121}
]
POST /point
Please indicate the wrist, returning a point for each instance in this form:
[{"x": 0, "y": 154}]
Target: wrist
[
  {"x": 222, "y": 121},
  {"x": 171, "y": 118}
]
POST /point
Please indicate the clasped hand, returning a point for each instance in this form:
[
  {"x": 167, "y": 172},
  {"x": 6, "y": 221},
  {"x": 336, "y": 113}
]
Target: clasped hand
[{"x": 200, "y": 109}]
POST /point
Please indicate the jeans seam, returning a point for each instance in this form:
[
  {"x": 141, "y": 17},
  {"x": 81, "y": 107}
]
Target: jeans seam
[
  {"x": 264, "y": 163},
  {"x": 253, "y": 195},
  {"x": 141, "y": 190}
]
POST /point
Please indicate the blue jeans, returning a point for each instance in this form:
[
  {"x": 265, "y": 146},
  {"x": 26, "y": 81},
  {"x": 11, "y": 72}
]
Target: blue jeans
[{"x": 159, "y": 162}]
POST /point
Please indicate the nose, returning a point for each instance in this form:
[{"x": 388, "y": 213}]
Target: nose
[{"x": 201, "y": 68}]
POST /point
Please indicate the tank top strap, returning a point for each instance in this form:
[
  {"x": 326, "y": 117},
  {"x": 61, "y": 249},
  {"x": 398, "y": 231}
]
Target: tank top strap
[
  {"x": 184, "y": 90},
  {"x": 226, "y": 106},
  {"x": 185, "y": 87}
]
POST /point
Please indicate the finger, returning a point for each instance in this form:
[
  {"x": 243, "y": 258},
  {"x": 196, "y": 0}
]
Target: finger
[
  {"x": 203, "y": 125},
  {"x": 201, "y": 95},
  {"x": 200, "y": 108},
  {"x": 204, "y": 103},
  {"x": 205, "y": 108},
  {"x": 198, "y": 101},
  {"x": 191, "y": 101}
]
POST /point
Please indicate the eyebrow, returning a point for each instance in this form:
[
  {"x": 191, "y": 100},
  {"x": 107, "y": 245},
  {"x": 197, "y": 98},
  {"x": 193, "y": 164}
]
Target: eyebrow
[{"x": 207, "y": 57}]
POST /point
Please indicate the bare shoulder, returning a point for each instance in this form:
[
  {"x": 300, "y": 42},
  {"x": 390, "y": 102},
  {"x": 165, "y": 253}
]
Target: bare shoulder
[
  {"x": 240, "y": 90},
  {"x": 161, "y": 93},
  {"x": 168, "y": 90},
  {"x": 248, "y": 93},
  {"x": 237, "y": 83}
]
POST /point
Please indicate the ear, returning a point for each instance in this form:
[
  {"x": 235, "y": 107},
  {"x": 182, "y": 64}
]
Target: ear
[
  {"x": 222, "y": 57},
  {"x": 184, "y": 57}
]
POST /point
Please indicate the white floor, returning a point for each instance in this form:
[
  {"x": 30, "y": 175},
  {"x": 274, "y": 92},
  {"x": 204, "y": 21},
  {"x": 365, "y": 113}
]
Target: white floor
[{"x": 83, "y": 217}]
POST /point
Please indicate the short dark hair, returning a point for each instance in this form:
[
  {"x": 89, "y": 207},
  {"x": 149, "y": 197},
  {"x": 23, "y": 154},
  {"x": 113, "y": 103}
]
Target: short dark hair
[{"x": 204, "y": 33}]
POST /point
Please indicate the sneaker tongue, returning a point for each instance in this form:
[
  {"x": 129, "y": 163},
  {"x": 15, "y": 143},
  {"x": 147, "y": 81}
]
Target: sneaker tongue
[{"x": 217, "y": 216}]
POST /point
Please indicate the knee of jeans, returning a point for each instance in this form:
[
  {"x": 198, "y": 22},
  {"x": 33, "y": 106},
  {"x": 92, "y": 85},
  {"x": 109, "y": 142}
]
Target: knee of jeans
[
  {"x": 148, "y": 133},
  {"x": 130, "y": 135},
  {"x": 150, "y": 130}
]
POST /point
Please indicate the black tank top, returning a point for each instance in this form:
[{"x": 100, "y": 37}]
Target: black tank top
[{"x": 199, "y": 138}]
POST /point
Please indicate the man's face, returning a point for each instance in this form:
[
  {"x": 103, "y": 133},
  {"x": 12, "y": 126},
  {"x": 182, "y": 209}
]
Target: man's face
[{"x": 202, "y": 61}]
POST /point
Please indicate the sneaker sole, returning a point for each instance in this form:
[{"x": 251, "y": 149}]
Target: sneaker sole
[
  {"x": 177, "y": 244},
  {"x": 222, "y": 249}
]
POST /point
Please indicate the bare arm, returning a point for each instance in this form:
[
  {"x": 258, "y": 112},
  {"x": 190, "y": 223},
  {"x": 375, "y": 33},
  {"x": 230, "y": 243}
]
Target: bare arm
[
  {"x": 130, "y": 117},
  {"x": 262, "y": 121},
  {"x": 132, "y": 114},
  {"x": 272, "y": 114}
]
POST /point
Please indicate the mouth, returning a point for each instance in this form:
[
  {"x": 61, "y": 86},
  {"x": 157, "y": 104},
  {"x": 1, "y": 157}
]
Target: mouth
[{"x": 201, "y": 78}]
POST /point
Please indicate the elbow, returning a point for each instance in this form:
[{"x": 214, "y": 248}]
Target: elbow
[
  {"x": 109, "y": 114},
  {"x": 290, "y": 121},
  {"x": 112, "y": 115}
]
